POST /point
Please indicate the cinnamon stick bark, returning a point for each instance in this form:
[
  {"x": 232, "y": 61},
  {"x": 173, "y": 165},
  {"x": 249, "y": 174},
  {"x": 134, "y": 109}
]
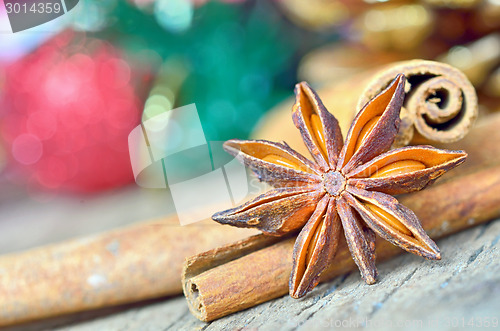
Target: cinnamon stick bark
[
  {"x": 241, "y": 275},
  {"x": 127, "y": 265},
  {"x": 440, "y": 103}
]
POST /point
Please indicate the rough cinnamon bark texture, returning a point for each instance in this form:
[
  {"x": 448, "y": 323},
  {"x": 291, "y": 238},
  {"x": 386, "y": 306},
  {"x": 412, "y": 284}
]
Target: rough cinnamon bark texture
[
  {"x": 440, "y": 103},
  {"x": 216, "y": 288},
  {"x": 127, "y": 265}
]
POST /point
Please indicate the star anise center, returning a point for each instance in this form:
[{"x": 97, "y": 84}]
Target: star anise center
[
  {"x": 334, "y": 183},
  {"x": 314, "y": 197}
]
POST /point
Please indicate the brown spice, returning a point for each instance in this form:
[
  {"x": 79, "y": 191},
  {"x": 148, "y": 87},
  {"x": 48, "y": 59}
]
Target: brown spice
[{"x": 347, "y": 186}]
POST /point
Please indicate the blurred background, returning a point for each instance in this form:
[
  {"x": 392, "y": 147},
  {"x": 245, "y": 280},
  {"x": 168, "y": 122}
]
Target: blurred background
[{"x": 71, "y": 90}]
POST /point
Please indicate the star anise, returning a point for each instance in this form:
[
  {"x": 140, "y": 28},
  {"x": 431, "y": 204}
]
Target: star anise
[{"x": 347, "y": 186}]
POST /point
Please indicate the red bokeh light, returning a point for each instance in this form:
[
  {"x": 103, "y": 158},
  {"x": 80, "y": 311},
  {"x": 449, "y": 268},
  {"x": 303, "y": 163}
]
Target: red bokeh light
[{"x": 67, "y": 110}]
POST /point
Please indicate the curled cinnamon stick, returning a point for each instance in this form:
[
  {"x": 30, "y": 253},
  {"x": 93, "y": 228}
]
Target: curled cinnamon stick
[
  {"x": 127, "y": 265},
  {"x": 440, "y": 103}
]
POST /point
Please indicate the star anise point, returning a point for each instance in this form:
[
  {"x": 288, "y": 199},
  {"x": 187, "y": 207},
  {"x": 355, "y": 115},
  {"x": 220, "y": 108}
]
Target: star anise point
[{"x": 346, "y": 186}]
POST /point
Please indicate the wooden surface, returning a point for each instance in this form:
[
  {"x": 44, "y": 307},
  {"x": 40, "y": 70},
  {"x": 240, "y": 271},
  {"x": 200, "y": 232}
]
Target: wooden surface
[{"x": 461, "y": 290}]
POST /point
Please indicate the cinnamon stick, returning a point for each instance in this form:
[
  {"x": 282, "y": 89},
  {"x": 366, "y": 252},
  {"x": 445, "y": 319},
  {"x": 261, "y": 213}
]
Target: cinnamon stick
[
  {"x": 440, "y": 104},
  {"x": 215, "y": 288},
  {"x": 135, "y": 263},
  {"x": 246, "y": 273}
]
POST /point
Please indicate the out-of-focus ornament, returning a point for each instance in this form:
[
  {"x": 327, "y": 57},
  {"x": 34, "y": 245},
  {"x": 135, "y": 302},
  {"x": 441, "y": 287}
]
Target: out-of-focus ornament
[
  {"x": 394, "y": 27},
  {"x": 67, "y": 111},
  {"x": 239, "y": 64}
]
